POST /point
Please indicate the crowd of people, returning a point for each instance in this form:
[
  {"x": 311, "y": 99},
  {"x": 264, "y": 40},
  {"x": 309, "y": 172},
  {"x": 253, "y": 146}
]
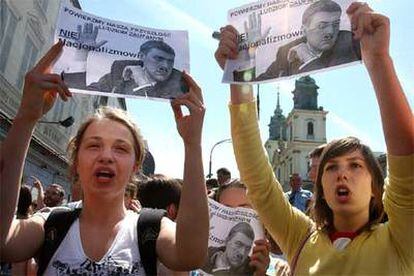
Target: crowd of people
[{"x": 117, "y": 224}]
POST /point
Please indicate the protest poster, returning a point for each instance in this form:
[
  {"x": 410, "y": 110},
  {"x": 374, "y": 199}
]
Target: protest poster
[
  {"x": 112, "y": 58},
  {"x": 232, "y": 235},
  {"x": 281, "y": 39}
]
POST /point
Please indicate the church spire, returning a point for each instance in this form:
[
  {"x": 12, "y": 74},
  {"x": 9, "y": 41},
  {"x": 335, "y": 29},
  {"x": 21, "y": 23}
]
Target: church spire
[
  {"x": 278, "y": 110},
  {"x": 277, "y": 129}
]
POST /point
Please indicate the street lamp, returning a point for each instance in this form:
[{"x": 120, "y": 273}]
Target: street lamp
[
  {"x": 65, "y": 123},
  {"x": 211, "y": 154}
]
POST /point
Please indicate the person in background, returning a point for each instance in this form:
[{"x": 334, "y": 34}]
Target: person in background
[
  {"x": 314, "y": 160},
  {"x": 51, "y": 197},
  {"x": 24, "y": 211},
  {"x": 161, "y": 192},
  {"x": 212, "y": 186},
  {"x": 130, "y": 199},
  {"x": 233, "y": 195},
  {"x": 298, "y": 197},
  {"x": 223, "y": 176}
]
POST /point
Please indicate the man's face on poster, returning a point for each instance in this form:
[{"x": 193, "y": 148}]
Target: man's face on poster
[
  {"x": 158, "y": 64},
  {"x": 322, "y": 30},
  {"x": 237, "y": 249}
]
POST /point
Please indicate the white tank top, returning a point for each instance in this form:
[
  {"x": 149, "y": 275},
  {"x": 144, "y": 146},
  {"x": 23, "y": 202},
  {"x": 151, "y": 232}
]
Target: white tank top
[{"x": 122, "y": 258}]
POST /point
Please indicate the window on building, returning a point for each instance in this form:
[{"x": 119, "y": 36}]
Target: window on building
[
  {"x": 310, "y": 133},
  {"x": 7, "y": 28},
  {"x": 28, "y": 60}
]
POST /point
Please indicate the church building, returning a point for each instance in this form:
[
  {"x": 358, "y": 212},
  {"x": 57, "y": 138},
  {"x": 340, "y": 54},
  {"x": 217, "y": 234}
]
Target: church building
[{"x": 291, "y": 138}]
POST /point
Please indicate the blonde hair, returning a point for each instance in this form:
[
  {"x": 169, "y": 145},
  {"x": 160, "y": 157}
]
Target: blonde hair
[{"x": 114, "y": 114}]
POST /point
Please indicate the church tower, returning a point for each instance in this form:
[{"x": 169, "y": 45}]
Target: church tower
[
  {"x": 277, "y": 130},
  {"x": 302, "y": 131}
]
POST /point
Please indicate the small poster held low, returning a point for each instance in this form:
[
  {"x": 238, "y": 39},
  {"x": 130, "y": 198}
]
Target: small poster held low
[
  {"x": 112, "y": 58},
  {"x": 232, "y": 235},
  {"x": 288, "y": 38}
]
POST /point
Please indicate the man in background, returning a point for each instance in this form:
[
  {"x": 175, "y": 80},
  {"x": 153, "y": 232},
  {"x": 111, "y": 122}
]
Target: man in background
[
  {"x": 314, "y": 160},
  {"x": 223, "y": 176},
  {"x": 297, "y": 196},
  {"x": 52, "y": 197}
]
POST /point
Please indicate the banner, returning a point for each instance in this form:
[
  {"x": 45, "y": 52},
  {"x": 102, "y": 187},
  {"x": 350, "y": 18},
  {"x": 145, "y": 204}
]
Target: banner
[
  {"x": 232, "y": 235},
  {"x": 281, "y": 39},
  {"x": 112, "y": 58}
]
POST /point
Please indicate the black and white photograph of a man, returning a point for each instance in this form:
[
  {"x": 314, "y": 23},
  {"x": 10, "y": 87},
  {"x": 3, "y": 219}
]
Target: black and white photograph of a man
[
  {"x": 233, "y": 257},
  {"x": 152, "y": 74},
  {"x": 322, "y": 45}
]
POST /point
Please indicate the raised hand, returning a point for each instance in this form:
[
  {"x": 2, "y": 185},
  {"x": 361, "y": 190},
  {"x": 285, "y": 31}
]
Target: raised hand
[
  {"x": 135, "y": 206},
  {"x": 36, "y": 183},
  {"x": 260, "y": 257},
  {"x": 88, "y": 35},
  {"x": 227, "y": 48},
  {"x": 41, "y": 87},
  {"x": 372, "y": 29},
  {"x": 190, "y": 126}
]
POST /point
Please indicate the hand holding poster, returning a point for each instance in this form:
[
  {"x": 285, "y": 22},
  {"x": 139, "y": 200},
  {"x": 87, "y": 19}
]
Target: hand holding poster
[
  {"x": 281, "y": 39},
  {"x": 111, "y": 58},
  {"x": 232, "y": 235}
]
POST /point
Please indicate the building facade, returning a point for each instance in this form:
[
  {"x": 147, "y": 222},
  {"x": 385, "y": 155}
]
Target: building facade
[
  {"x": 291, "y": 138},
  {"x": 27, "y": 32}
]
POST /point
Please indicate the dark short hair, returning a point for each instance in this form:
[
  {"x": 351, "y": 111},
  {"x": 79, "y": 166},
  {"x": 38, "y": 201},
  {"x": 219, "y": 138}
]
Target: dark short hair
[
  {"x": 241, "y": 227},
  {"x": 291, "y": 176},
  {"x": 235, "y": 183},
  {"x": 320, "y": 6},
  {"x": 212, "y": 183},
  {"x": 158, "y": 44},
  {"x": 224, "y": 171},
  {"x": 59, "y": 188},
  {"x": 25, "y": 200},
  {"x": 159, "y": 192},
  {"x": 322, "y": 212},
  {"x": 317, "y": 152}
]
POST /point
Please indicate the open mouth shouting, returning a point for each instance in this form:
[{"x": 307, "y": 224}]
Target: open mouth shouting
[
  {"x": 342, "y": 193},
  {"x": 104, "y": 175}
]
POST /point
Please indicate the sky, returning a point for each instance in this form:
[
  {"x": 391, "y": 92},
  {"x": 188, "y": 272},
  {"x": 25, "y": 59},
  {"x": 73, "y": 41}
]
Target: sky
[{"x": 346, "y": 93}]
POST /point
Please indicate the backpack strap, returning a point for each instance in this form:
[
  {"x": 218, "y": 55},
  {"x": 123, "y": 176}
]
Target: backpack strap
[
  {"x": 148, "y": 228},
  {"x": 56, "y": 227}
]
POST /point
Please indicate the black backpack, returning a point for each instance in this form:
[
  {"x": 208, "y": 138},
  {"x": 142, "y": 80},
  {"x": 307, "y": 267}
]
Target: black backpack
[{"x": 59, "y": 221}]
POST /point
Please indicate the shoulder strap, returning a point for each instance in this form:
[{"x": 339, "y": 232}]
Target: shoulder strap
[
  {"x": 148, "y": 228},
  {"x": 56, "y": 227},
  {"x": 302, "y": 244}
]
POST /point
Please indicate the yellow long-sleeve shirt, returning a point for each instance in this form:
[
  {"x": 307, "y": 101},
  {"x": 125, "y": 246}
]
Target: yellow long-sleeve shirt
[{"x": 388, "y": 249}]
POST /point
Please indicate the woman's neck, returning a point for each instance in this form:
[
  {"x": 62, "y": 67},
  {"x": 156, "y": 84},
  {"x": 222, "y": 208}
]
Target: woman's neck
[
  {"x": 96, "y": 210},
  {"x": 350, "y": 223}
]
